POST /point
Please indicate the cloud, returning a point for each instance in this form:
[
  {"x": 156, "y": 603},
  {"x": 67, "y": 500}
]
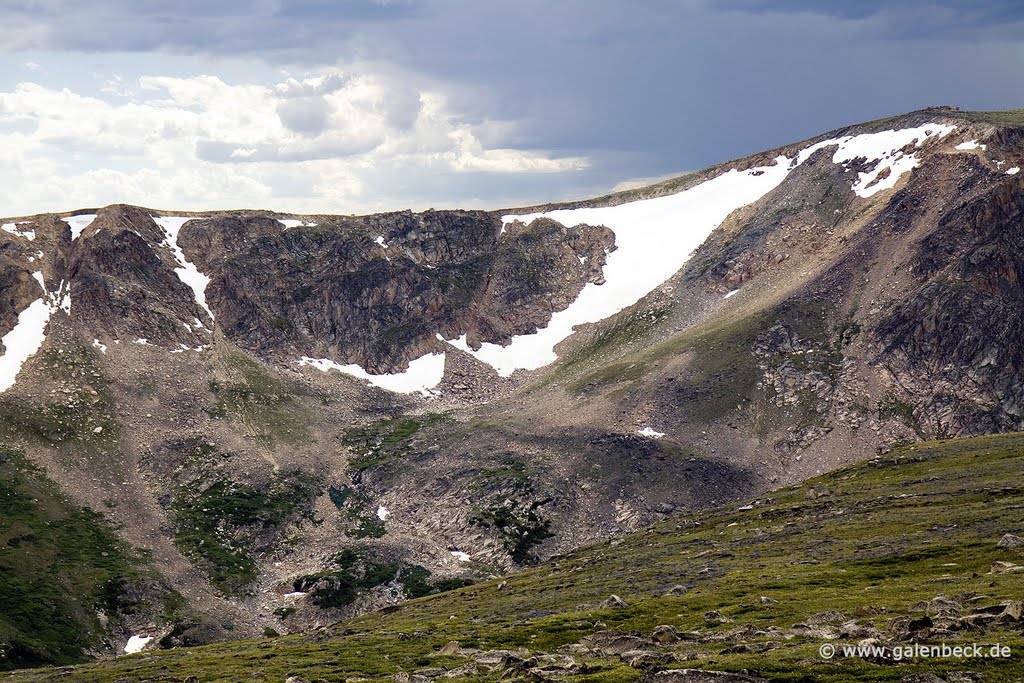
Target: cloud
[
  {"x": 201, "y": 142},
  {"x": 490, "y": 100}
]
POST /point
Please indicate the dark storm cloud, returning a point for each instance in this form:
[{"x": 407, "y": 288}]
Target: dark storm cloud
[{"x": 659, "y": 85}]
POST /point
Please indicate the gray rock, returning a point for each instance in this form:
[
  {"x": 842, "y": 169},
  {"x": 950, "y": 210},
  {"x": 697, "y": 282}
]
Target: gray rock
[
  {"x": 644, "y": 658},
  {"x": 614, "y": 602},
  {"x": 1010, "y": 541},
  {"x": 701, "y": 676},
  {"x": 664, "y": 634}
]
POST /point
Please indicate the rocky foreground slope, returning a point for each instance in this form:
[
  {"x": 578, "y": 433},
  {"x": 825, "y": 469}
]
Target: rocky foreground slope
[
  {"x": 287, "y": 420},
  {"x": 919, "y": 547}
]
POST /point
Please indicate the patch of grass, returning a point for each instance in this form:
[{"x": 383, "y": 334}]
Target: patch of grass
[
  {"x": 265, "y": 404},
  {"x": 355, "y": 572},
  {"x": 385, "y": 441},
  {"x": 222, "y": 525},
  {"x": 60, "y": 567},
  {"x": 360, "y": 520}
]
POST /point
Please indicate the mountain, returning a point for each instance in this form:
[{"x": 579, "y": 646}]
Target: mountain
[{"x": 277, "y": 421}]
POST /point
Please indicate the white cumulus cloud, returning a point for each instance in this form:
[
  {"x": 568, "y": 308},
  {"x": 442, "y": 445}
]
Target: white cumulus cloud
[{"x": 312, "y": 144}]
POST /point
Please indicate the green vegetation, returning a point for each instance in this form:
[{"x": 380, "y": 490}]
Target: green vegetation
[
  {"x": 870, "y": 540},
  {"x": 220, "y": 526},
  {"x": 355, "y": 573},
  {"x": 624, "y": 332},
  {"x": 893, "y": 407},
  {"x": 519, "y": 530},
  {"x": 60, "y": 566},
  {"x": 361, "y": 520},
  {"x": 265, "y": 404},
  {"x": 385, "y": 441}
]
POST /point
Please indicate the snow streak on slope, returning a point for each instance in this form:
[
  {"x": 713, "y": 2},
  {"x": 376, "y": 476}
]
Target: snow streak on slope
[
  {"x": 28, "y": 334},
  {"x": 79, "y": 223},
  {"x": 23, "y": 341},
  {"x": 424, "y": 373},
  {"x": 654, "y": 238},
  {"x": 187, "y": 271}
]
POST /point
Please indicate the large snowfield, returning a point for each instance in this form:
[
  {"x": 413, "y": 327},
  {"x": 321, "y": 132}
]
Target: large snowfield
[{"x": 654, "y": 238}]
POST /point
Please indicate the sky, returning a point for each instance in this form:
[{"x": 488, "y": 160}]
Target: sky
[{"x": 354, "y": 106}]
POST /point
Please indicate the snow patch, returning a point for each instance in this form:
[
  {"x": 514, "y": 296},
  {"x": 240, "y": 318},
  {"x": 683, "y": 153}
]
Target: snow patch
[
  {"x": 142, "y": 341},
  {"x": 99, "y": 345},
  {"x": 29, "y": 333},
  {"x": 293, "y": 223},
  {"x": 647, "y": 431},
  {"x": 653, "y": 238},
  {"x": 423, "y": 374},
  {"x": 731, "y": 294},
  {"x": 1013, "y": 171},
  {"x": 187, "y": 271},
  {"x": 79, "y": 223},
  {"x": 380, "y": 240},
  {"x": 382, "y": 513},
  {"x": 136, "y": 643},
  {"x": 23, "y": 341},
  {"x": 182, "y": 348},
  {"x": 13, "y": 228},
  {"x": 971, "y": 144},
  {"x": 460, "y": 556},
  {"x": 884, "y": 149}
]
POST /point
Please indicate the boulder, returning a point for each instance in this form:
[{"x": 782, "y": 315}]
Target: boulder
[
  {"x": 1010, "y": 541},
  {"x": 1003, "y": 567},
  {"x": 664, "y": 634},
  {"x": 614, "y": 602},
  {"x": 639, "y": 659},
  {"x": 701, "y": 676}
]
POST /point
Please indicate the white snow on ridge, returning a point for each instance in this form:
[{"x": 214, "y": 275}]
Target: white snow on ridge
[
  {"x": 293, "y": 223},
  {"x": 460, "y": 556},
  {"x": 79, "y": 223},
  {"x": 654, "y": 238},
  {"x": 1013, "y": 171},
  {"x": 136, "y": 643},
  {"x": 13, "y": 228},
  {"x": 885, "y": 148},
  {"x": 187, "y": 272},
  {"x": 971, "y": 144},
  {"x": 423, "y": 374},
  {"x": 29, "y": 333},
  {"x": 382, "y": 513},
  {"x": 647, "y": 431}
]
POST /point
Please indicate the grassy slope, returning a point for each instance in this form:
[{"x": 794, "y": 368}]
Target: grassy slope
[
  {"x": 902, "y": 528},
  {"x": 60, "y": 566}
]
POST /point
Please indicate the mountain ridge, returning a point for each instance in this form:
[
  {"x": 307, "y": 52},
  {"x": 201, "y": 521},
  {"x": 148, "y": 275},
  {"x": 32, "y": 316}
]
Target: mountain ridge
[{"x": 800, "y": 336}]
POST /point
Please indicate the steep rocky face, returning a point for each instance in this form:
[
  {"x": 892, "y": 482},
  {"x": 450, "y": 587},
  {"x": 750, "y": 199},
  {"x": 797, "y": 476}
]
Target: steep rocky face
[
  {"x": 954, "y": 345},
  {"x": 123, "y": 284},
  {"x": 377, "y": 291}
]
